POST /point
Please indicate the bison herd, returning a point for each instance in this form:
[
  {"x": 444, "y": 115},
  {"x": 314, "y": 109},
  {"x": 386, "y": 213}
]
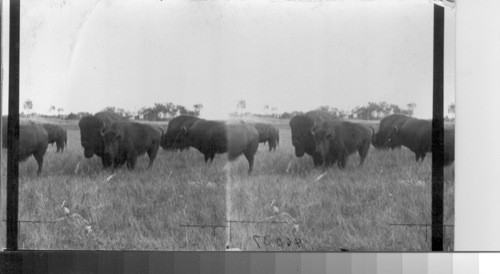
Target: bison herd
[
  {"x": 327, "y": 139},
  {"x": 330, "y": 140}
]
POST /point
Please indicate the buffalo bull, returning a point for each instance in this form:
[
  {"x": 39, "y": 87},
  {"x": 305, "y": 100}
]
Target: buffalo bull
[
  {"x": 385, "y": 127},
  {"x": 33, "y": 140},
  {"x": 172, "y": 139},
  {"x": 57, "y": 135},
  {"x": 125, "y": 141},
  {"x": 416, "y": 134},
  {"x": 268, "y": 133},
  {"x": 302, "y": 139},
  {"x": 91, "y": 138},
  {"x": 336, "y": 140},
  {"x": 215, "y": 137}
]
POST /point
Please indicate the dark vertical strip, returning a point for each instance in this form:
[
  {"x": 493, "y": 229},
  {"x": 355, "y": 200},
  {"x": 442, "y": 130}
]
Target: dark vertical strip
[
  {"x": 13, "y": 128},
  {"x": 438, "y": 131},
  {"x": 1, "y": 100}
]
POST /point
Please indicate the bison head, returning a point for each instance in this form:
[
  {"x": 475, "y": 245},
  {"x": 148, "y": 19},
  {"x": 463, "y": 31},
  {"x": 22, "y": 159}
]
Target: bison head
[
  {"x": 175, "y": 139},
  {"x": 90, "y": 135},
  {"x": 112, "y": 138},
  {"x": 323, "y": 139},
  {"x": 376, "y": 142},
  {"x": 302, "y": 138},
  {"x": 393, "y": 138}
]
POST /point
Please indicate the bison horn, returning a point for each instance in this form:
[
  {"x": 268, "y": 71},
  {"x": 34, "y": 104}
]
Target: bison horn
[
  {"x": 373, "y": 131},
  {"x": 102, "y": 131}
]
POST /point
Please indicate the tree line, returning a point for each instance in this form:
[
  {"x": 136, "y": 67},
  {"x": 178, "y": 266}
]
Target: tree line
[{"x": 169, "y": 110}]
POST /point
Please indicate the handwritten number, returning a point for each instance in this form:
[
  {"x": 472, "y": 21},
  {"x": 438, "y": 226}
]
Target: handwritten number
[
  {"x": 298, "y": 241},
  {"x": 267, "y": 240},
  {"x": 279, "y": 242},
  {"x": 255, "y": 239}
]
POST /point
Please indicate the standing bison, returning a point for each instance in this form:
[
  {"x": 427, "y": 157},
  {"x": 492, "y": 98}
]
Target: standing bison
[
  {"x": 215, "y": 137},
  {"x": 172, "y": 139},
  {"x": 385, "y": 127},
  {"x": 268, "y": 133},
  {"x": 125, "y": 141},
  {"x": 90, "y": 134},
  {"x": 336, "y": 140},
  {"x": 416, "y": 134},
  {"x": 57, "y": 135},
  {"x": 33, "y": 140},
  {"x": 302, "y": 138}
]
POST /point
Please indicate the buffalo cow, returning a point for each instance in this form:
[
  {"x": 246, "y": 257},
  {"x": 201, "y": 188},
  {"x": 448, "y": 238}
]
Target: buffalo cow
[
  {"x": 33, "y": 140},
  {"x": 90, "y": 134},
  {"x": 416, "y": 134},
  {"x": 172, "y": 138},
  {"x": 124, "y": 141},
  {"x": 302, "y": 139},
  {"x": 385, "y": 126},
  {"x": 57, "y": 135},
  {"x": 216, "y": 137},
  {"x": 268, "y": 133},
  {"x": 336, "y": 140}
]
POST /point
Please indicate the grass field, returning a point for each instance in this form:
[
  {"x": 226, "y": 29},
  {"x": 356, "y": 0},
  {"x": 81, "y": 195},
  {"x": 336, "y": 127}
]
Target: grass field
[{"x": 285, "y": 205}]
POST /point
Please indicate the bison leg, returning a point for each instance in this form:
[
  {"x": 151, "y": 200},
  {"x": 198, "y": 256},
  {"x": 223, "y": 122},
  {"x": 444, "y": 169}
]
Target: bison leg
[
  {"x": 131, "y": 162},
  {"x": 342, "y": 160},
  {"x": 317, "y": 160},
  {"x": 363, "y": 152},
  {"x": 152, "y": 152},
  {"x": 249, "y": 154},
  {"x": 60, "y": 146},
  {"x": 106, "y": 161},
  {"x": 417, "y": 156},
  {"x": 422, "y": 156},
  {"x": 39, "y": 160},
  {"x": 250, "y": 159}
]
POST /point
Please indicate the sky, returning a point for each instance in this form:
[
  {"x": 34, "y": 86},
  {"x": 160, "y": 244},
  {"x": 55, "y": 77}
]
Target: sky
[{"x": 88, "y": 55}]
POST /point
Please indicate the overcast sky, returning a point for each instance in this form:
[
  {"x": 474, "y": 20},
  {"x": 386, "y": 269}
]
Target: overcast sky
[{"x": 87, "y": 55}]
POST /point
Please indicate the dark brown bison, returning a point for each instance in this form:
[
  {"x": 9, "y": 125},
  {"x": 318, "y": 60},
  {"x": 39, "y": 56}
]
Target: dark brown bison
[
  {"x": 336, "y": 140},
  {"x": 302, "y": 139},
  {"x": 33, "y": 140},
  {"x": 125, "y": 141},
  {"x": 172, "y": 138},
  {"x": 416, "y": 134},
  {"x": 57, "y": 135},
  {"x": 268, "y": 133},
  {"x": 385, "y": 126},
  {"x": 216, "y": 137},
  {"x": 90, "y": 134}
]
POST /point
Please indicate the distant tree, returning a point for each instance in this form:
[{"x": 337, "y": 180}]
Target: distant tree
[
  {"x": 182, "y": 110},
  {"x": 324, "y": 108},
  {"x": 197, "y": 109},
  {"x": 28, "y": 105},
  {"x": 72, "y": 116},
  {"x": 285, "y": 115},
  {"x": 242, "y": 104},
  {"x": 411, "y": 108},
  {"x": 266, "y": 109},
  {"x": 52, "y": 108},
  {"x": 274, "y": 111}
]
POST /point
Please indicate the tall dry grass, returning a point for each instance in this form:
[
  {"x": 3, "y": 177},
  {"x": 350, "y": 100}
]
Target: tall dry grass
[{"x": 328, "y": 209}]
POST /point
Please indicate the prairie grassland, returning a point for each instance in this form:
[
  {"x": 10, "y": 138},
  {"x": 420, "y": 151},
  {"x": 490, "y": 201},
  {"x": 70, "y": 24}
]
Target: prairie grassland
[{"x": 327, "y": 209}]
